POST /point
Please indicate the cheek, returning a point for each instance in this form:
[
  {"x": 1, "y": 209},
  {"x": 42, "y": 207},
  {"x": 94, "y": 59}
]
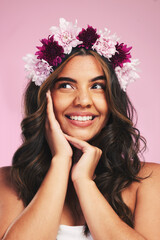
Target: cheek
[
  {"x": 103, "y": 109},
  {"x": 59, "y": 104},
  {"x": 101, "y": 105},
  {"x": 105, "y": 114}
]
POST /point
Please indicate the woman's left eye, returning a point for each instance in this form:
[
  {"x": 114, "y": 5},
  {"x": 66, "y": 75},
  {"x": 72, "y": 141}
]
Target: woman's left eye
[{"x": 98, "y": 86}]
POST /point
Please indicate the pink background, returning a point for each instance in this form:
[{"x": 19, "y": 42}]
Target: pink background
[{"x": 24, "y": 23}]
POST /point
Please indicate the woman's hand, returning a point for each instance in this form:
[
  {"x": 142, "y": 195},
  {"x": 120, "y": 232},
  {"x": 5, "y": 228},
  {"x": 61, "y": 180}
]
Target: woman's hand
[
  {"x": 86, "y": 165},
  {"x": 58, "y": 144}
]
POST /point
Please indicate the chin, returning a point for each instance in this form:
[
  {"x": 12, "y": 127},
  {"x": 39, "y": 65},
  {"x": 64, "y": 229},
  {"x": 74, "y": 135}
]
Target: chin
[{"x": 83, "y": 136}]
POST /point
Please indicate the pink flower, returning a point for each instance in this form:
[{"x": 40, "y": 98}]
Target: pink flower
[
  {"x": 127, "y": 73},
  {"x": 50, "y": 51},
  {"x": 105, "y": 47},
  {"x": 66, "y": 35},
  {"x": 106, "y": 44},
  {"x": 88, "y": 37},
  {"x": 38, "y": 70}
]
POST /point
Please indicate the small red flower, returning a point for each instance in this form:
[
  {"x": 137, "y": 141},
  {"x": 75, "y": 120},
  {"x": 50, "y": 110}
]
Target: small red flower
[
  {"x": 50, "y": 51},
  {"x": 88, "y": 37},
  {"x": 121, "y": 56}
]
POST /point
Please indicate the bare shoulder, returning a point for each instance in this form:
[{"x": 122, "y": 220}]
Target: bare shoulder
[
  {"x": 150, "y": 172},
  {"x": 5, "y": 182},
  {"x": 150, "y": 184},
  {"x": 147, "y": 208},
  {"x": 10, "y": 205}
]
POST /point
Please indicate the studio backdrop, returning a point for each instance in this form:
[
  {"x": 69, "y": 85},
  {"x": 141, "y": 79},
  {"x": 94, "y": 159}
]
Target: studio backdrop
[{"x": 24, "y": 23}]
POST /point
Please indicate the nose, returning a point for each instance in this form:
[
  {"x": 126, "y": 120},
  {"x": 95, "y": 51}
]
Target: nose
[{"x": 83, "y": 98}]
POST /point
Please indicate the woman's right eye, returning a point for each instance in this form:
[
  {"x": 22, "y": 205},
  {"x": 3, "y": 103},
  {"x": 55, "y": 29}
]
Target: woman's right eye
[{"x": 65, "y": 85}]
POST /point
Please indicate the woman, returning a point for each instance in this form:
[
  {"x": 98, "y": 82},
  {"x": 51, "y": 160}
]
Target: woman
[{"x": 77, "y": 174}]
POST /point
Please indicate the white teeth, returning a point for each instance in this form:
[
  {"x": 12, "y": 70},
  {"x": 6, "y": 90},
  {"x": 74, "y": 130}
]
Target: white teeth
[{"x": 81, "y": 118}]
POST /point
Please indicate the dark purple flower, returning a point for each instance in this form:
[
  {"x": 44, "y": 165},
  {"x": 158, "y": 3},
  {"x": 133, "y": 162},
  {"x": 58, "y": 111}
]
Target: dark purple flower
[
  {"x": 50, "y": 51},
  {"x": 88, "y": 36},
  {"x": 121, "y": 56}
]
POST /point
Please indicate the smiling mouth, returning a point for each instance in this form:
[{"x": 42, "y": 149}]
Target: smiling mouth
[{"x": 81, "y": 118}]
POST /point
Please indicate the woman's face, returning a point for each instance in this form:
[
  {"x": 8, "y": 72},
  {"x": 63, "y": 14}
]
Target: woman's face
[{"x": 79, "y": 98}]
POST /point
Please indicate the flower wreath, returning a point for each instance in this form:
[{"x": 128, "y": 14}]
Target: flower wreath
[{"x": 68, "y": 36}]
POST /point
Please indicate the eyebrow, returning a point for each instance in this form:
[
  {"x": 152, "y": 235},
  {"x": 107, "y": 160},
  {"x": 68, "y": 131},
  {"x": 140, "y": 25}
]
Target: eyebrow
[{"x": 73, "y": 80}]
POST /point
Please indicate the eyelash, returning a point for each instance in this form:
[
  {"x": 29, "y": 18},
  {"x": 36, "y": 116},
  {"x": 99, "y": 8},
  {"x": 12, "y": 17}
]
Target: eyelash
[
  {"x": 99, "y": 84},
  {"x": 63, "y": 85}
]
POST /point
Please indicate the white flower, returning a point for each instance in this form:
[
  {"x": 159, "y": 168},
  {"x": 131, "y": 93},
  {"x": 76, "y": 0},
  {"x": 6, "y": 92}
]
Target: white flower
[
  {"x": 38, "y": 70},
  {"x": 128, "y": 73},
  {"x": 66, "y": 35}
]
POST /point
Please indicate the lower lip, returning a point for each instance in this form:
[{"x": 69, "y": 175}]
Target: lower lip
[{"x": 81, "y": 123}]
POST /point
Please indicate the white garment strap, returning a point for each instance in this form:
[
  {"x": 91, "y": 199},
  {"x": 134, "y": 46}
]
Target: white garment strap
[{"x": 72, "y": 233}]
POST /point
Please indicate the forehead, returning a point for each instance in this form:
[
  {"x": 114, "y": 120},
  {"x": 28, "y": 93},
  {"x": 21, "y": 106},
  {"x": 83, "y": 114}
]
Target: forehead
[{"x": 82, "y": 66}]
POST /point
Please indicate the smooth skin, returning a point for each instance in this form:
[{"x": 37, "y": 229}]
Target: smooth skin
[
  {"x": 80, "y": 89},
  {"x": 48, "y": 209}
]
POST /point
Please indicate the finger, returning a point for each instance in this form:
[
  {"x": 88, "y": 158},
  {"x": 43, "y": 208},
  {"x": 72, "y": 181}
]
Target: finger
[
  {"x": 83, "y": 145},
  {"x": 80, "y": 144},
  {"x": 49, "y": 100},
  {"x": 50, "y": 111}
]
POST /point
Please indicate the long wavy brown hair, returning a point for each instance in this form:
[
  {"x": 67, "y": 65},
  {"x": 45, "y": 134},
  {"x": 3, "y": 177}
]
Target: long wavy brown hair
[{"x": 119, "y": 140}]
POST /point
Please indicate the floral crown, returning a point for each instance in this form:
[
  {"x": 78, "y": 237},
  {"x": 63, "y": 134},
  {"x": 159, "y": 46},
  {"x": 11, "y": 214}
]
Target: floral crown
[{"x": 68, "y": 36}]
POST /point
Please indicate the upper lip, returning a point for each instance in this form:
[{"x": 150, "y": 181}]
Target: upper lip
[{"x": 81, "y": 114}]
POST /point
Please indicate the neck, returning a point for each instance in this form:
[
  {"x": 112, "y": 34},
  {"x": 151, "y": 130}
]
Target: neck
[
  {"x": 72, "y": 206},
  {"x": 77, "y": 153},
  {"x": 71, "y": 201}
]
